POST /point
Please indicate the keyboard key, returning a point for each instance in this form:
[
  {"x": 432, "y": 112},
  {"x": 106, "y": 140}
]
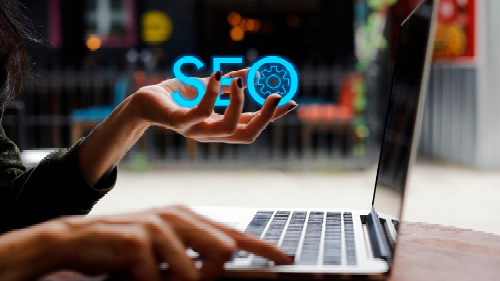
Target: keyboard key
[
  {"x": 257, "y": 260},
  {"x": 333, "y": 239},
  {"x": 349, "y": 239},
  {"x": 312, "y": 239},
  {"x": 255, "y": 227}
]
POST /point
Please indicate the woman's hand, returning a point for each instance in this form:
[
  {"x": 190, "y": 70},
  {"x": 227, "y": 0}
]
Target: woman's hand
[
  {"x": 154, "y": 105},
  {"x": 137, "y": 243},
  {"x": 200, "y": 122}
]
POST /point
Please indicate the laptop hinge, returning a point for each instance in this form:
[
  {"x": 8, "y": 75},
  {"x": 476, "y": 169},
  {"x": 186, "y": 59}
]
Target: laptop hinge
[{"x": 378, "y": 239}]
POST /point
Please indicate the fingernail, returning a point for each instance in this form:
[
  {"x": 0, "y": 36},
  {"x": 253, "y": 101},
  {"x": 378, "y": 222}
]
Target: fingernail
[
  {"x": 239, "y": 81},
  {"x": 292, "y": 107},
  {"x": 277, "y": 101},
  {"x": 218, "y": 75}
]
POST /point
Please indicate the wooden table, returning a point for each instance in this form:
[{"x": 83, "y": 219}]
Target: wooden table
[{"x": 434, "y": 252}]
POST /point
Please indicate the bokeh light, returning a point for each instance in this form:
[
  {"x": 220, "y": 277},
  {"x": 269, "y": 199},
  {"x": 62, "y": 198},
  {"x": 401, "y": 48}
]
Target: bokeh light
[
  {"x": 237, "y": 33},
  {"x": 243, "y": 24},
  {"x": 250, "y": 25},
  {"x": 234, "y": 19},
  {"x": 93, "y": 42},
  {"x": 256, "y": 26}
]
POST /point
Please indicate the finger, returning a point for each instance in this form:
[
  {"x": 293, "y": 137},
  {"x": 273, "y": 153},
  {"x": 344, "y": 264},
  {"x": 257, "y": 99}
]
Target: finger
[
  {"x": 235, "y": 74},
  {"x": 213, "y": 266},
  {"x": 233, "y": 111},
  {"x": 280, "y": 112},
  {"x": 206, "y": 105},
  {"x": 247, "y": 133},
  {"x": 166, "y": 108},
  {"x": 284, "y": 110},
  {"x": 245, "y": 241},
  {"x": 171, "y": 250},
  {"x": 187, "y": 91},
  {"x": 145, "y": 268},
  {"x": 213, "y": 245},
  {"x": 226, "y": 125}
]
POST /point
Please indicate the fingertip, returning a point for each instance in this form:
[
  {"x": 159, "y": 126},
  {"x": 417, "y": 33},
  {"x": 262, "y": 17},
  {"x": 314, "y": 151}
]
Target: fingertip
[
  {"x": 286, "y": 260},
  {"x": 277, "y": 102},
  {"x": 274, "y": 96},
  {"x": 272, "y": 102},
  {"x": 217, "y": 75},
  {"x": 291, "y": 107}
]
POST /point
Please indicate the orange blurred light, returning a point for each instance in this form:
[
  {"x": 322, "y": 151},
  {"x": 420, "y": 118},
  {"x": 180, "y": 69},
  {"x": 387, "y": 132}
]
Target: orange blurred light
[
  {"x": 243, "y": 24},
  {"x": 93, "y": 42},
  {"x": 256, "y": 25},
  {"x": 234, "y": 18},
  {"x": 237, "y": 33},
  {"x": 250, "y": 24}
]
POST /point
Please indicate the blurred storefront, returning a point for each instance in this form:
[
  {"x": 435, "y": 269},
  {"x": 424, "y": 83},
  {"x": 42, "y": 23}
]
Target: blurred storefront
[{"x": 99, "y": 51}]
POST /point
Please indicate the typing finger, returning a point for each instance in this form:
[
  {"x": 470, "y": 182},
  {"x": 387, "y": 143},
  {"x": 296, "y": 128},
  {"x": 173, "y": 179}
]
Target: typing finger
[
  {"x": 170, "y": 249},
  {"x": 246, "y": 242},
  {"x": 145, "y": 268},
  {"x": 213, "y": 245}
]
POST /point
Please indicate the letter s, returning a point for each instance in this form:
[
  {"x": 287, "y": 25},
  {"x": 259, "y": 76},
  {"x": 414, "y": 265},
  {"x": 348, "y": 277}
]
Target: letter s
[{"x": 177, "y": 73}]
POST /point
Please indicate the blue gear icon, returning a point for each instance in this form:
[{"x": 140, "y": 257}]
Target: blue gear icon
[{"x": 273, "y": 81}]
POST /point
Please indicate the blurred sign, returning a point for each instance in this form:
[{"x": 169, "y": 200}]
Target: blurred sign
[
  {"x": 455, "y": 34},
  {"x": 156, "y": 27}
]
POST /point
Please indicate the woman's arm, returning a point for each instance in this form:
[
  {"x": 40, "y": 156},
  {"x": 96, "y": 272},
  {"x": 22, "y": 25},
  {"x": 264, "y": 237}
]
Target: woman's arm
[
  {"x": 153, "y": 105},
  {"x": 29, "y": 253},
  {"x": 111, "y": 140},
  {"x": 54, "y": 187}
]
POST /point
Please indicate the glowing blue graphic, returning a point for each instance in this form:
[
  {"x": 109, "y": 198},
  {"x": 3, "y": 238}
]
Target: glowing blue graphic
[
  {"x": 177, "y": 73},
  {"x": 216, "y": 66},
  {"x": 284, "y": 82},
  {"x": 273, "y": 81}
]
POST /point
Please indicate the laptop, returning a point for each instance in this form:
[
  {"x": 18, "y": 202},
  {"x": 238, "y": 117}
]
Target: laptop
[{"x": 329, "y": 242}]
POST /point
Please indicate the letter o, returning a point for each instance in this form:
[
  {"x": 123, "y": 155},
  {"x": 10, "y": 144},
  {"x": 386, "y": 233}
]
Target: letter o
[{"x": 294, "y": 78}]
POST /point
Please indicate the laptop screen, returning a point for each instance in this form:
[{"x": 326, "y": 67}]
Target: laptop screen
[{"x": 409, "y": 78}]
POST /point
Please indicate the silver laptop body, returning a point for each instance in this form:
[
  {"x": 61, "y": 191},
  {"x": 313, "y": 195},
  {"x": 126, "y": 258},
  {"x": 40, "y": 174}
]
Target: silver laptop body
[{"x": 326, "y": 242}]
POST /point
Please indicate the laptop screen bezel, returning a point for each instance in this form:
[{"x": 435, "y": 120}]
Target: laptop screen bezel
[{"x": 420, "y": 106}]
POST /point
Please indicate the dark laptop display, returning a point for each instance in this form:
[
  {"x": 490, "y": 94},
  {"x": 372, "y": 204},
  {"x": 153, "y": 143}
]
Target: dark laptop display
[{"x": 407, "y": 91}]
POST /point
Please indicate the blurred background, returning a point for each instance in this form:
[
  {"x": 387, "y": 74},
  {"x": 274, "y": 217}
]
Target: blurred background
[{"x": 97, "y": 52}]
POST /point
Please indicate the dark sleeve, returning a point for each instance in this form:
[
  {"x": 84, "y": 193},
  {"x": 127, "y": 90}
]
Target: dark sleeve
[{"x": 55, "y": 187}]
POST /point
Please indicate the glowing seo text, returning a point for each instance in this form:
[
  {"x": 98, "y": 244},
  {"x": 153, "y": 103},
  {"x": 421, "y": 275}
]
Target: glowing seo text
[{"x": 267, "y": 75}]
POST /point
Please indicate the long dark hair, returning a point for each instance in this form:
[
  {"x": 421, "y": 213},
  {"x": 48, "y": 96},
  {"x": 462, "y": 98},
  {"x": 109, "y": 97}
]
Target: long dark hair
[{"x": 14, "y": 61}]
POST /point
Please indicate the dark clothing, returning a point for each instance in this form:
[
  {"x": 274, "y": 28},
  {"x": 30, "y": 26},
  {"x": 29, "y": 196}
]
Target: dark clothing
[{"x": 55, "y": 187}]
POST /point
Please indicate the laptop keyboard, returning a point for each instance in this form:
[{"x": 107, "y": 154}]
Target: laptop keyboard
[
  {"x": 333, "y": 236},
  {"x": 303, "y": 237}
]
